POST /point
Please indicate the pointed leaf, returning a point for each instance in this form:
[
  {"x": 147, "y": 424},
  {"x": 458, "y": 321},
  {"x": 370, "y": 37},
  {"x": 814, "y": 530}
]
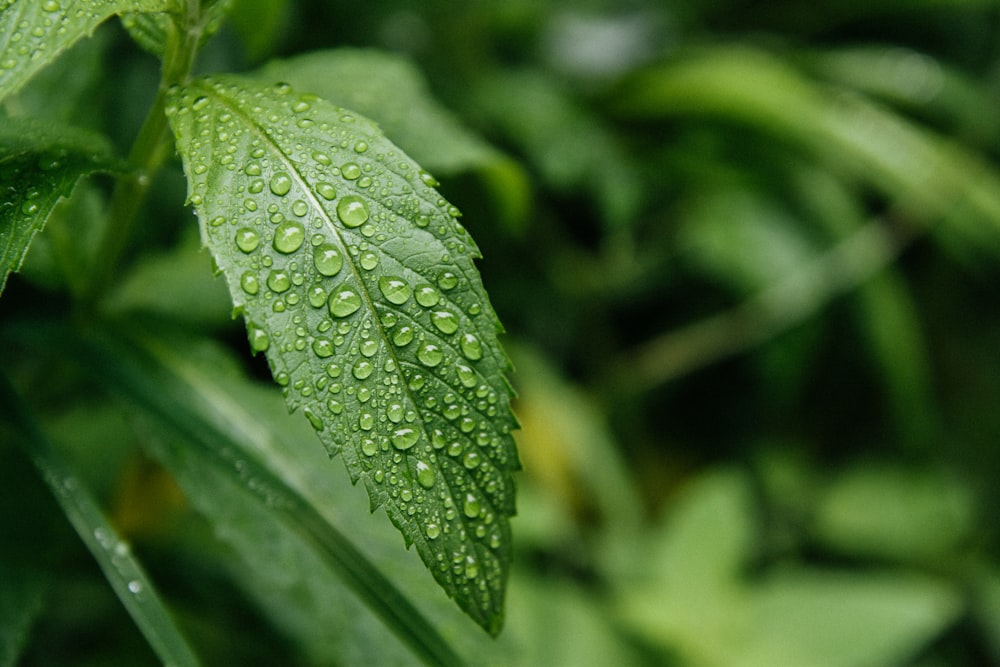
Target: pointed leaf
[
  {"x": 358, "y": 282},
  {"x": 38, "y": 165},
  {"x": 34, "y": 32}
]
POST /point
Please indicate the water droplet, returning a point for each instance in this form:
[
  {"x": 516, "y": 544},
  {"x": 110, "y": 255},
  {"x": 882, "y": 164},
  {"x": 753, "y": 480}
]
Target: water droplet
[
  {"x": 471, "y": 568},
  {"x": 326, "y": 191},
  {"x": 395, "y": 290},
  {"x": 252, "y": 169},
  {"x": 249, "y": 283},
  {"x": 350, "y": 171},
  {"x": 403, "y": 336},
  {"x": 368, "y": 260},
  {"x": 466, "y": 375},
  {"x": 428, "y": 179},
  {"x": 134, "y": 586},
  {"x": 200, "y": 103},
  {"x": 369, "y": 348},
  {"x": 425, "y": 475},
  {"x": 470, "y": 460},
  {"x": 280, "y": 183},
  {"x": 362, "y": 369},
  {"x": 323, "y": 348},
  {"x": 395, "y": 413},
  {"x": 427, "y": 296},
  {"x": 278, "y": 281},
  {"x": 360, "y": 147},
  {"x": 289, "y": 237},
  {"x": 471, "y": 347},
  {"x": 433, "y": 530},
  {"x": 430, "y": 355},
  {"x": 344, "y": 301},
  {"x": 247, "y": 239},
  {"x": 300, "y": 106},
  {"x": 300, "y": 208},
  {"x": 314, "y": 419},
  {"x": 259, "y": 340},
  {"x": 317, "y": 296},
  {"x": 404, "y": 438},
  {"x": 352, "y": 211},
  {"x": 445, "y": 321},
  {"x": 471, "y": 507},
  {"x": 447, "y": 280},
  {"x": 327, "y": 260},
  {"x": 369, "y": 447},
  {"x": 366, "y": 421},
  {"x": 29, "y": 208}
]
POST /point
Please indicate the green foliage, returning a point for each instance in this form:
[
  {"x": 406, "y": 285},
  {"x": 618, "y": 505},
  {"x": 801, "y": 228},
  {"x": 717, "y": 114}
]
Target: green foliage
[{"x": 746, "y": 254}]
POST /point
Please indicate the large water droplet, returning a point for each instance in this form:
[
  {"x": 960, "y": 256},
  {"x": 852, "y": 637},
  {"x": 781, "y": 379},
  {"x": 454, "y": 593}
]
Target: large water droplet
[
  {"x": 445, "y": 321},
  {"x": 466, "y": 375},
  {"x": 363, "y": 369},
  {"x": 327, "y": 260},
  {"x": 289, "y": 237},
  {"x": 352, "y": 211},
  {"x": 326, "y": 191},
  {"x": 430, "y": 355},
  {"x": 404, "y": 438},
  {"x": 433, "y": 530},
  {"x": 471, "y": 347},
  {"x": 471, "y": 507},
  {"x": 313, "y": 418},
  {"x": 323, "y": 348},
  {"x": 280, "y": 183},
  {"x": 259, "y": 340},
  {"x": 247, "y": 239},
  {"x": 344, "y": 301},
  {"x": 369, "y": 348},
  {"x": 403, "y": 336},
  {"x": 368, "y": 260},
  {"x": 425, "y": 475},
  {"x": 395, "y": 290},
  {"x": 278, "y": 281},
  {"x": 351, "y": 171},
  {"x": 249, "y": 283},
  {"x": 317, "y": 296},
  {"x": 447, "y": 280},
  {"x": 427, "y": 296}
]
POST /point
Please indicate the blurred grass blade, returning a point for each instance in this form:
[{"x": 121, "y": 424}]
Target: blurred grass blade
[
  {"x": 123, "y": 571},
  {"x": 223, "y": 429},
  {"x": 34, "y": 32}
]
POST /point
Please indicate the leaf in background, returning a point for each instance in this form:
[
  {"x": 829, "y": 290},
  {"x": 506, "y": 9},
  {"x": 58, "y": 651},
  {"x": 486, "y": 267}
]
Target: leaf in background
[
  {"x": 358, "y": 282},
  {"x": 38, "y": 165},
  {"x": 151, "y": 31},
  {"x": 34, "y": 32},
  {"x": 260, "y": 25}
]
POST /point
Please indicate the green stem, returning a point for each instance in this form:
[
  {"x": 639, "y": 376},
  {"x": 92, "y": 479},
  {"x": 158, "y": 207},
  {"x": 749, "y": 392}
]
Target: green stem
[{"x": 149, "y": 151}]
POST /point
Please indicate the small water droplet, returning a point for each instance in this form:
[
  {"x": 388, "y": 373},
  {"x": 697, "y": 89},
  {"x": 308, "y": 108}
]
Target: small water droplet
[
  {"x": 447, "y": 280},
  {"x": 327, "y": 260},
  {"x": 29, "y": 208},
  {"x": 445, "y": 321},
  {"x": 404, "y": 438},
  {"x": 471, "y": 347},
  {"x": 366, "y": 421},
  {"x": 314, "y": 419},
  {"x": 289, "y": 237},
  {"x": 300, "y": 208},
  {"x": 280, "y": 183},
  {"x": 247, "y": 239},
  {"x": 360, "y": 147},
  {"x": 200, "y": 103},
  {"x": 471, "y": 568},
  {"x": 317, "y": 296},
  {"x": 430, "y": 355},
  {"x": 368, "y": 260},
  {"x": 278, "y": 281},
  {"x": 428, "y": 179},
  {"x": 395, "y": 290},
  {"x": 352, "y": 211},
  {"x": 369, "y": 348},
  {"x": 369, "y": 447},
  {"x": 425, "y": 475},
  {"x": 134, "y": 586},
  {"x": 470, "y": 460},
  {"x": 427, "y": 296},
  {"x": 466, "y": 375},
  {"x": 433, "y": 530},
  {"x": 344, "y": 301}
]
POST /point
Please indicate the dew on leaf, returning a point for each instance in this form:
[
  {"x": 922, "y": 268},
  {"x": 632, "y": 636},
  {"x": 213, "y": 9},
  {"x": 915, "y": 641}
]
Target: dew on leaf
[
  {"x": 471, "y": 347},
  {"x": 280, "y": 183},
  {"x": 403, "y": 336},
  {"x": 404, "y": 438},
  {"x": 317, "y": 296},
  {"x": 425, "y": 475},
  {"x": 471, "y": 507},
  {"x": 470, "y": 460},
  {"x": 344, "y": 301},
  {"x": 327, "y": 260},
  {"x": 363, "y": 369},
  {"x": 314, "y": 419},
  {"x": 366, "y": 421},
  {"x": 368, "y": 260},
  {"x": 278, "y": 281},
  {"x": 430, "y": 355},
  {"x": 259, "y": 340},
  {"x": 433, "y": 530},
  {"x": 351, "y": 171},
  {"x": 447, "y": 280},
  {"x": 395, "y": 290},
  {"x": 323, "y": 348},
  {"x": 369, "y": 447},
  {"x": 300, "y": 208},
  {"x": 466, "y": 375},
  {"x": 289, "y": 237},
  {"x": 352, "y": 211},
  {"x": 445, "y": 321},
  {"x": 369, "y": 348},
  {"x": 427, "y": 296},
  {"x": 249, "y": 283},
  {"x": 326, "y": 191}
]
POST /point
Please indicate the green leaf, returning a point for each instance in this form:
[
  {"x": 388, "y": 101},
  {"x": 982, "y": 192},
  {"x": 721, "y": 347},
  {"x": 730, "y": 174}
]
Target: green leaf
[
  {"x": 34, "y": 32},
  {"x": 38, "y": 165},
  {"x": 357, "y": 280},
  {"x": 152, "y": 31}
]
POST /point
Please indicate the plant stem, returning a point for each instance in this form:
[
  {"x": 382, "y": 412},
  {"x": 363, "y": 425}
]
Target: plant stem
[{"x": 150, "y": 149}]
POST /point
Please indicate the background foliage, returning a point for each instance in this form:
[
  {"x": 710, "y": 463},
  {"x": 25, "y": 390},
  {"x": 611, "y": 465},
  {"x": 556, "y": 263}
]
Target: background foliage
[{"x": 746, "y": 257}]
